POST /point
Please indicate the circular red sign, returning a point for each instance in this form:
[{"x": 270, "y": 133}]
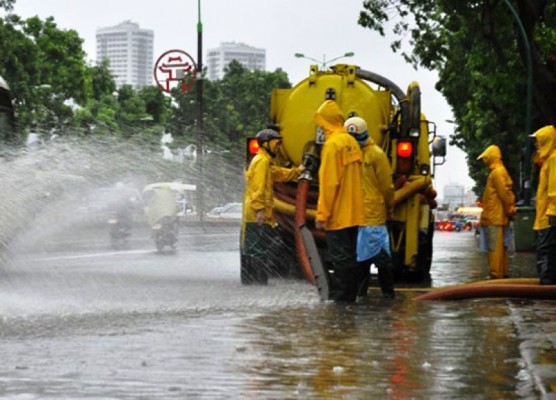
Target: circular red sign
[{"x": 175, "y": 68}]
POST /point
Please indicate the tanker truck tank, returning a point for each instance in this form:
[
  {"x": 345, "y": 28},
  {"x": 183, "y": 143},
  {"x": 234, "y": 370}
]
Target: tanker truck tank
[{"x": 395, "y": 123}]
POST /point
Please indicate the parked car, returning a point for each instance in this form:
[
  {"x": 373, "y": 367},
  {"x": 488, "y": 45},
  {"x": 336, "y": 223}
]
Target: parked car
[{"x": 230, "y": 212}]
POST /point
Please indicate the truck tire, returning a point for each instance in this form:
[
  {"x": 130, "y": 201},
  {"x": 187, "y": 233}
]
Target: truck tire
[
  {"x": 398, "y": 266},
  {"x": 424, "y": 255}
]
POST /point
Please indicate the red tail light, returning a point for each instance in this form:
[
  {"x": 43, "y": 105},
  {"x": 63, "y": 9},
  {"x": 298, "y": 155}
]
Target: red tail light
[
  {"x": 405, "y": 149},
  {"x": 404, "y": 159}
]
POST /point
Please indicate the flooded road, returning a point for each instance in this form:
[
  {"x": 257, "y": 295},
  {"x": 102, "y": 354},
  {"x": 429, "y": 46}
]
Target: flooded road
[{"x": 78, "y": 320}]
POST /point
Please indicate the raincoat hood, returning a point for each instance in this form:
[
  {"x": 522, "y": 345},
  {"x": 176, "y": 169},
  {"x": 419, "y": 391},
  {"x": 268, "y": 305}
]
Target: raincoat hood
[
  {"x": 491, "y": 155},
  {"x": 329, "y": 117},
  {"x": 546, "y": 141}
]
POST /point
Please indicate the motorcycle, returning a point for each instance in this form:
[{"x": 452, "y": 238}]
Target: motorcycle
[
  {"x": 119, "y": 231},
  {"x": 165, "y": 234}
]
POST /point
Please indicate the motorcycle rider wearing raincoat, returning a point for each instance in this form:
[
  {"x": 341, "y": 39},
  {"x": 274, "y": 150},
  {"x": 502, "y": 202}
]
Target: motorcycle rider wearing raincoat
[
  {"x": 163, "y": 204},
  {"x": 340, "y": 202},
  {"x": 373, "y": 242},
  {"x": 259, "y": 202},
  {"x": 498, "y": 209},
  {"x": 545, "y": 219}
]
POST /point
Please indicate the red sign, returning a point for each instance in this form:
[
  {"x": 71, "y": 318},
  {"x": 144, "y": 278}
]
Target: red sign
[{"x": 175, "y": 68}]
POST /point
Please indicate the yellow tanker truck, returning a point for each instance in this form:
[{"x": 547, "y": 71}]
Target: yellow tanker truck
[{"x": 396, "y": 124}]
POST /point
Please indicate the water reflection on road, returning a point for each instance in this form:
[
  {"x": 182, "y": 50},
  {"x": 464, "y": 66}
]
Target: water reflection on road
[
  {"x": 139, "y": 326},
  {"x": 378, "y": 350}
]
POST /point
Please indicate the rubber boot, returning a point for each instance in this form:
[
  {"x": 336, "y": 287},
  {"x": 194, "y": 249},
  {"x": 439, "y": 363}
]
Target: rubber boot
[
  {"x": 496, "y": 257},
  {"x": 386, "y": 281},
  {"x": 344, "y": 285},
  {"x": 363, "y": 278},
  {"x": 495, "y": 264}
]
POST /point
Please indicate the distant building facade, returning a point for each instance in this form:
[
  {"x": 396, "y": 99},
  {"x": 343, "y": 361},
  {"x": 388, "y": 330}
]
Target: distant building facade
[
  {"x": 130, "y": 52},
  {"x": 456, "y": 196},
  {"x": 250, "y": 57}
]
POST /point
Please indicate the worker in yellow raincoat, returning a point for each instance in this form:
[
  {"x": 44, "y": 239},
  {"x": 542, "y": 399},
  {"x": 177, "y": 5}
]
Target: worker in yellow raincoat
[
  {"x": 340, "y": 202},
  {"x": 498, "y": 209},
  {"x": 259, "y": 205},
  {"x": 545, "y": 219},
  {"x": 373, "y": 241}
]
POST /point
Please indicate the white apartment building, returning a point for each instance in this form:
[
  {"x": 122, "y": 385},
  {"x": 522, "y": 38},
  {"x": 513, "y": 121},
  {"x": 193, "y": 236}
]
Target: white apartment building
[
  {"x": 455, "y": 195},
  {"x": 130, "y": 52},
  {"x": 250, "y": 57}
]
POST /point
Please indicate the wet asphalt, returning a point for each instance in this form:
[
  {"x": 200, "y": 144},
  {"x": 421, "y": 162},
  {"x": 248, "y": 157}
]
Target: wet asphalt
[{"x": 81, "y": 320}]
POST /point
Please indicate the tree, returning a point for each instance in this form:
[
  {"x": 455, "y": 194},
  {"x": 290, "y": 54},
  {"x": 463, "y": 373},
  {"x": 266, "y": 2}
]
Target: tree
[
  {"x": 7, "y": 5},
  {"x": 45, "y": 68},
  {"x": 478, "y": 51},
  {"x": 101, "y": 80}
]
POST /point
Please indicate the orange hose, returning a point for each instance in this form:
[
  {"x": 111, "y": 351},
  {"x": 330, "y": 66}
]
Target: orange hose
[
  {"x": 300, "y": 218},
  {"x": 491, "y": 290}
]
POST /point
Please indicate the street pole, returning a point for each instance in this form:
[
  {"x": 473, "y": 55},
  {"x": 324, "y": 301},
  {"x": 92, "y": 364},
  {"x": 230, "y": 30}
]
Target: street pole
[
  {"x": 199, "y": 82},
  {"x": 526, "y": 179}
]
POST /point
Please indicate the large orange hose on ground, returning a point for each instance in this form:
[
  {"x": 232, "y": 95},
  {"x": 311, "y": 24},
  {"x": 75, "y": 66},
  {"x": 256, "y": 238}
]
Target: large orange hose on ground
[
  {"x": 483, "y": 290},
  {"x": 300, "y": 219}
]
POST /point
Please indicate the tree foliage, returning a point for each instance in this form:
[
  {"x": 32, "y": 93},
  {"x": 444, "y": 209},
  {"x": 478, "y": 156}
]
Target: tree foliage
[
  {"x": 57, "y": 91},
  {"x": 478, "y": 50}
]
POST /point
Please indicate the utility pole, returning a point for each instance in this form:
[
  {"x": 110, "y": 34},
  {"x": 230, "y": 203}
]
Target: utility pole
[
  {"x": 200, "y": 110},
  {"x": 526, "y": 178}
]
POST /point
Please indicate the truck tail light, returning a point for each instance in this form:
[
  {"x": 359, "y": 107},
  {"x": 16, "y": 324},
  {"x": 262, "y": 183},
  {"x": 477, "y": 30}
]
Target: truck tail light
[
  {"x": 404, "y": 159},
  {"x": 405, "y": 149}
]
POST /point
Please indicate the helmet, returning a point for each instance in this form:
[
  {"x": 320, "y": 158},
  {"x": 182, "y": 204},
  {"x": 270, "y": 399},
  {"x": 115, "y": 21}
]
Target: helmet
[
  {"x": 357, "y": 127},
  {"x": 266, "y": 135}
]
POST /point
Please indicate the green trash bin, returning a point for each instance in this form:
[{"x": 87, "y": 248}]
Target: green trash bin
[{"x": 524, "y": 235}]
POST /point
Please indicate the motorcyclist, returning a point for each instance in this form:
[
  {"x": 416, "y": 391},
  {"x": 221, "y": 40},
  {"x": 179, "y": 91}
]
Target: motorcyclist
[
  {"x": 373, "y": 243},
  {"x": 545, "y": 219},
  {"x": 259, "y": 203},
  {"x": 123, "y": 207},
  {"x": 163, "y": 205},
  {"x": 498, "y": 208},
  {"x": 340, "y": 202}
]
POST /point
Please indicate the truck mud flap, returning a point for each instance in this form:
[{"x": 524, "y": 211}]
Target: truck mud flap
[{"x": 320, "y": 274}]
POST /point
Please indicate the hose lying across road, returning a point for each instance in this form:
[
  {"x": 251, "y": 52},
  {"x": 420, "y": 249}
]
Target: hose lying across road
[{"x": 510, "y": 288}]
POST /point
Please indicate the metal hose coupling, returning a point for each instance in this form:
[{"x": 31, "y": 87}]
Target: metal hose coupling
[{"x": 310, "y": 161}]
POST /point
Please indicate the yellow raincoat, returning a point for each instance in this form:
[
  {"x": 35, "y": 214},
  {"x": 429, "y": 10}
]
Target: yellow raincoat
[
  {"x": 378, "y": 187},
  {"x": 340, "y": 203},
  {"x": 259, "y": 179},
  {"x": 546, "y": 191},
  {"x": 163, "y": 204},
  {"x": 498, "y": 197},
  {"x": 498, "y": 207}
]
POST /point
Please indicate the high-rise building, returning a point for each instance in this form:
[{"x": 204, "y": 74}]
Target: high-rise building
[
  {"x": 250, "y": 57},
  {"x": 130, "y": 52}
]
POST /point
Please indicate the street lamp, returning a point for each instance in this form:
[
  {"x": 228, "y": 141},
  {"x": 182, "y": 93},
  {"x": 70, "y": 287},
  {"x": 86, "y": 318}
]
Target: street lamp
[{"x": 324, "y": 60}]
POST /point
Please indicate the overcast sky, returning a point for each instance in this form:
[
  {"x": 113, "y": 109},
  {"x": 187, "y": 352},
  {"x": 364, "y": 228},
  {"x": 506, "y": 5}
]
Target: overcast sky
[{"x": 321, "y": 29}]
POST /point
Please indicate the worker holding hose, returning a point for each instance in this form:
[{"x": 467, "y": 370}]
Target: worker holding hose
[
  {"x": 498, "y": 209},
  {"x": 545, "y": 219},
  {"x": 340, "y": 202},
  {"x": 259, "y": 203},
  {"x": 373, "y": 242}
]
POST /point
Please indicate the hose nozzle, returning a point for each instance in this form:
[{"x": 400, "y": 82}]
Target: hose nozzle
[{"x": 310, "y": 161}]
